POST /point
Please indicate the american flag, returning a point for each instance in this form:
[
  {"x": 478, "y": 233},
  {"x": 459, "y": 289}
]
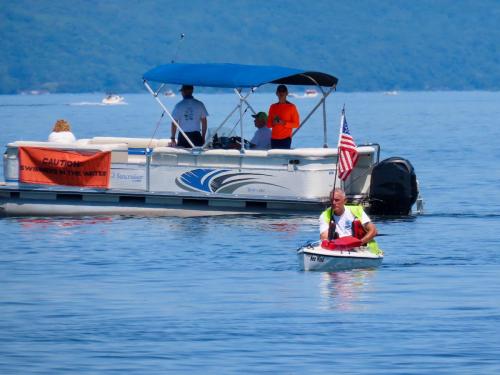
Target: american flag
[{"x": 348, "y": 154}]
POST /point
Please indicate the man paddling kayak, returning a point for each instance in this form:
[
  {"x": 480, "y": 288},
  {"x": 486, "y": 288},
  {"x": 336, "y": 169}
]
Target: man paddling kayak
[{"x": 347, "y": 221}]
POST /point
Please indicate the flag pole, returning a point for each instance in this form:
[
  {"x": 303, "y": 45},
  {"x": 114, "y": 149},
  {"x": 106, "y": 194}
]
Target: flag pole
[{"x": 331, "y": 227}]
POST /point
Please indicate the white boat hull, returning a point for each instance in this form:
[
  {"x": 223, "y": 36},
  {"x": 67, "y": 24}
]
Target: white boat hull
[
  {"x": 149, "y": 173},
  {"x": 263, "y": 180},
  {"x": 315, "y": 258}
]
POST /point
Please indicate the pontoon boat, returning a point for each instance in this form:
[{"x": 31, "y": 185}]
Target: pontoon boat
[{"x": 148, "y": 175}]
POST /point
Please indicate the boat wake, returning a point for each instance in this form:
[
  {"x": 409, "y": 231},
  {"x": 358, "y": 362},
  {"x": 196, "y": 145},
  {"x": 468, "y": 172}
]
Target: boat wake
[
  {"x": 100, "y": 104},
  {"x": 29, "y": 105},
  {"x": 468, "y": 215}
]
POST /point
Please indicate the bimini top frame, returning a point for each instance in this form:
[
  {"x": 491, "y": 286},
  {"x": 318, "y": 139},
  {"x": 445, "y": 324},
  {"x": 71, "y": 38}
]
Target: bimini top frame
[{"x": 238, "y": 77}]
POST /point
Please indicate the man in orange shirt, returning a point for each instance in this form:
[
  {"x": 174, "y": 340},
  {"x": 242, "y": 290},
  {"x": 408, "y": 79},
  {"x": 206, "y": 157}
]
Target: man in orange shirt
[{"x": 282, "y": 119}]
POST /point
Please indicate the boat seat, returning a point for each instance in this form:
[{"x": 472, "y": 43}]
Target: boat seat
[
  {"x": 212, "y": 152},
  {"x": 171, "y": 150},
  {"x": 317, "y": 152},
  {"x": 83, "y": 141},
  {"x": 304, "y": 152},
  {"x": 132, "y": 142},
  {"x": 258, "y": 153},
  {"x": 222, "y": 152}
]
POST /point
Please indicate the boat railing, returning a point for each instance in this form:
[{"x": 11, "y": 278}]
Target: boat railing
[
  {"x": 243, "y": 101},
  {"x": 165, "y": 110}
]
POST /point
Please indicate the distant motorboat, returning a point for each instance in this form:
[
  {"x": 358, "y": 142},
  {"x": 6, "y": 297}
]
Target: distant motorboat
[
  {"x": 169, "y": 93},
  {"x": 391, "y": 93},
  {"x": 310, "y": 93},
  {"x": 113, "y": 99},
  {"x": 34, "y": 92}
]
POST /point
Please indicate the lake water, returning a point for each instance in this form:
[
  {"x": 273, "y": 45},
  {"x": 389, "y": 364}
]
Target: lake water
[{"x": 141, "y": 295}]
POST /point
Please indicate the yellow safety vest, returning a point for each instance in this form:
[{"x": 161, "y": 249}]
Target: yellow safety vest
[{"x": 357, "y": 211}]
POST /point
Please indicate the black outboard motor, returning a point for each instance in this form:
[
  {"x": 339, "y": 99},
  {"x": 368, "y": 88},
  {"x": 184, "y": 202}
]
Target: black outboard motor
[{"x": 394, "y": 188}]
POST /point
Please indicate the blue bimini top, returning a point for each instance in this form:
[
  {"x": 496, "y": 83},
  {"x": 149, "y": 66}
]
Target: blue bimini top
[{"x": 235, "y": 75}]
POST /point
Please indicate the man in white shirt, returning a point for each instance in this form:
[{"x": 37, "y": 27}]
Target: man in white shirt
[
  {"x": 191, "y": 115},
  {"x": 262, "y": 137},
  {"x": 344, "y": 216}
]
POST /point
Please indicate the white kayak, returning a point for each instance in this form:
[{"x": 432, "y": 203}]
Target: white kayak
[{"x": 316, "y": 256}]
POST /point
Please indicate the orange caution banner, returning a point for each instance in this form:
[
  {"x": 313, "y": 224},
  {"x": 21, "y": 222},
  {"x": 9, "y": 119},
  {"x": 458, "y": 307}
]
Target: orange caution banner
[{"x": 62, "y": 167}]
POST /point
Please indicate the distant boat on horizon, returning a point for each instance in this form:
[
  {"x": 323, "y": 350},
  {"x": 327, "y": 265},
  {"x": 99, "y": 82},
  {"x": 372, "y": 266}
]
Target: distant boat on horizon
[
  {"x": 169, "y": 93},
  {"x": 111, "y": 99},
  {"x": 309, "y": 93},
  {"x": 391, "y": 93},
  {"x": 34, "y": 92}
]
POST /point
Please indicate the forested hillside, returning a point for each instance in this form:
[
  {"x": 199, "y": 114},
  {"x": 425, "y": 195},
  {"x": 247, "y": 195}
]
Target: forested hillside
[{"x": 90, "y": 45}]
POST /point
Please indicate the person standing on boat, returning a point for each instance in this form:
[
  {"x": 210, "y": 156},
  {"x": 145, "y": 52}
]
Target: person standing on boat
[
  {"x": 347, "y": 219},
  {"x": 61, "y": 133},
  {"x": 262, "y": 138},
  {"x": 282, "y": 119},
  {"x": 191, "y": 115}
]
